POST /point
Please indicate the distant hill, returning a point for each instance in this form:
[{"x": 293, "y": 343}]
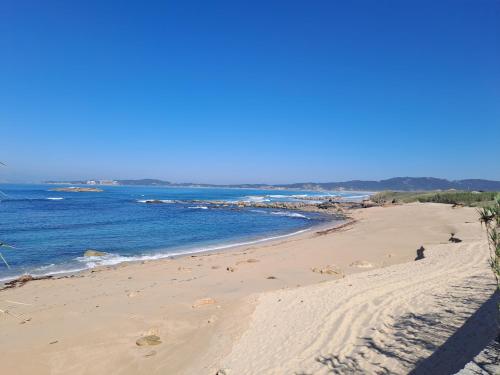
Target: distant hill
[
  {"x": 145, "y": 181},
  {"x": 403, "y": 184},
  {"x": 396, "y": 183}
]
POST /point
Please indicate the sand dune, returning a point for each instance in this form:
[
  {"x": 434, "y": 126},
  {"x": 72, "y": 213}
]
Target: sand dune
[{"x": 383, "y": 321}]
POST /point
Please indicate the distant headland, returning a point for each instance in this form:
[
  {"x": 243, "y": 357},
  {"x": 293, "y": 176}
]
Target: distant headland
[{"x": 396, "y": 183}]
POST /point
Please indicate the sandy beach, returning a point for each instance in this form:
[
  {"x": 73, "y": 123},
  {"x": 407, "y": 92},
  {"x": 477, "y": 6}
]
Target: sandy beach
[{"x": 351, "y": 300}]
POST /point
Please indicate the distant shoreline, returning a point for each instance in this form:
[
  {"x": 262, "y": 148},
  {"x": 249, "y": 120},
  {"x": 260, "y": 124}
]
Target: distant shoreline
[
  {"x": 192, "y": 187},
  {"x": 396, "y": 183}
]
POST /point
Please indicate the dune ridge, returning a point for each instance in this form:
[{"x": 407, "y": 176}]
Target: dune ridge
[{"x": 382, "y": 321}]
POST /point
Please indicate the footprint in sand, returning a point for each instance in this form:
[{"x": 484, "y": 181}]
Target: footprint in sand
[
  {"x": 328, "y": 270},
  {"x": 204, "y": 302},
  {"x": 361, "y": 264},
  {"x": 247, "y": 261},
  {"x": 148, "y": 340}
]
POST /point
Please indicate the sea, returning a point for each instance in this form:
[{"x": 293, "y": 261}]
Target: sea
[{"x": 49, "y": 231}]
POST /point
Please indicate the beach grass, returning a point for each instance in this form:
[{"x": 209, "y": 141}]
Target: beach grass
[{"x": 466, "y": 198}]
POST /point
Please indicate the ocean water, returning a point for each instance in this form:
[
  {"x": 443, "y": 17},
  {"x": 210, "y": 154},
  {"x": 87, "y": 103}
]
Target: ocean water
[{"x": 50, "y": 230}]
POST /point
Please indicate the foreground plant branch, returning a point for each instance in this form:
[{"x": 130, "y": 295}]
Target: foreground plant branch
[
  {"x": 490, "y": 217},
  {"x": 1, "y": 255}
]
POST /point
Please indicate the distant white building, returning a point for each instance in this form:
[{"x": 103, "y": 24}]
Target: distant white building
[{"x": 102, "y": 182}]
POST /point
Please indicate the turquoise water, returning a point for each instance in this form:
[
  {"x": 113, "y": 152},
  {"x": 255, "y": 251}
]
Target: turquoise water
[{"x": 51, "y": 230}]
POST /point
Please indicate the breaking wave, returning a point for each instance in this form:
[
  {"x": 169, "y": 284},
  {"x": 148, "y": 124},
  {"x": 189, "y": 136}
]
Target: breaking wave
[{"x": 289, "y": 214}]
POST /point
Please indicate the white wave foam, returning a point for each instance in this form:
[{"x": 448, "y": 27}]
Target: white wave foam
[
  {"x": 256, "y": 198},
  {"x": 289, "y": 214},
  {"x": 278, "y": 196},
  {"x": 43, "y": 268},
  {"x": 55, "y": 198},
  {"x": 114, "y": 259},
  {"x": 199, "y": 207}
]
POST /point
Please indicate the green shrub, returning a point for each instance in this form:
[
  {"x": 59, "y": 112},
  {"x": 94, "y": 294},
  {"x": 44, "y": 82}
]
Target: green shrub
[{"x": 466, "y": 198}]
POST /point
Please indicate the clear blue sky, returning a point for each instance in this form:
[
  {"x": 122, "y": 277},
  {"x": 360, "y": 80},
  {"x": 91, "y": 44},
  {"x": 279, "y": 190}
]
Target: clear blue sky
[{"x": 249, "y": 91}]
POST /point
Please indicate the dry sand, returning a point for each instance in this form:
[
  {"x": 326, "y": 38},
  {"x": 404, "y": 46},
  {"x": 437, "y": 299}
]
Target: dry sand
[{"x": 368, "y": 307}]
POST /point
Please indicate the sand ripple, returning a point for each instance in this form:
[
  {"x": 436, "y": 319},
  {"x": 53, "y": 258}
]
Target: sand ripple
[{"x": 387, "y": 320}]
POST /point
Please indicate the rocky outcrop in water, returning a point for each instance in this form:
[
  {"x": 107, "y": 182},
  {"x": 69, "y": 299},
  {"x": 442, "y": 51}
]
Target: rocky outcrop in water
[
  {"x": 323, "y": 204},
  {"x": 72, "y": 189},
  {"x": 323, "y": 207},
  {"x": 93, "y": 253}
]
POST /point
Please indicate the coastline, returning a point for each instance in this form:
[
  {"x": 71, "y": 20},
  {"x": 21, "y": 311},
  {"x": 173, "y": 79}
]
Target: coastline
[
  {"x": 159, "y": 255},
  {"x": 51, "y": 264},
  {"x": 203, "y": 306}
]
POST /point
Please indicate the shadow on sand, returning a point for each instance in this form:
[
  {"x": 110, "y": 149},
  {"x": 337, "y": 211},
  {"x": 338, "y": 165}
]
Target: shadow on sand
[
  {"x": 438, "y": 343},
  {"x": 465, "y": 343}
]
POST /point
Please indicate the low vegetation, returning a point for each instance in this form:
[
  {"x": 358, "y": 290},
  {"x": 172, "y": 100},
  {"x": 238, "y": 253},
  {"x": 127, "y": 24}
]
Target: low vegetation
[
  {"x": 489, "y": 216},
  {"x": 466, "y": 198}
]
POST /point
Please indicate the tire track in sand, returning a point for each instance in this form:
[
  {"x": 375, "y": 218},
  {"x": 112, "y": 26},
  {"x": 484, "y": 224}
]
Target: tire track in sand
[{"x": 380, "y": 321}]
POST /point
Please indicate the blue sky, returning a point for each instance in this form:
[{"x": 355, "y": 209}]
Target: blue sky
[{"x": 249, "y": 91}]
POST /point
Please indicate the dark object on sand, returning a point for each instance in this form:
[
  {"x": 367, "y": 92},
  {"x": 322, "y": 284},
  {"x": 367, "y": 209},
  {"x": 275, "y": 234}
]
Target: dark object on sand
[
  {"x": 21, "y": 280},
  {"x": 420, "y": 253},
  {"x": 454, "y": 239}
]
